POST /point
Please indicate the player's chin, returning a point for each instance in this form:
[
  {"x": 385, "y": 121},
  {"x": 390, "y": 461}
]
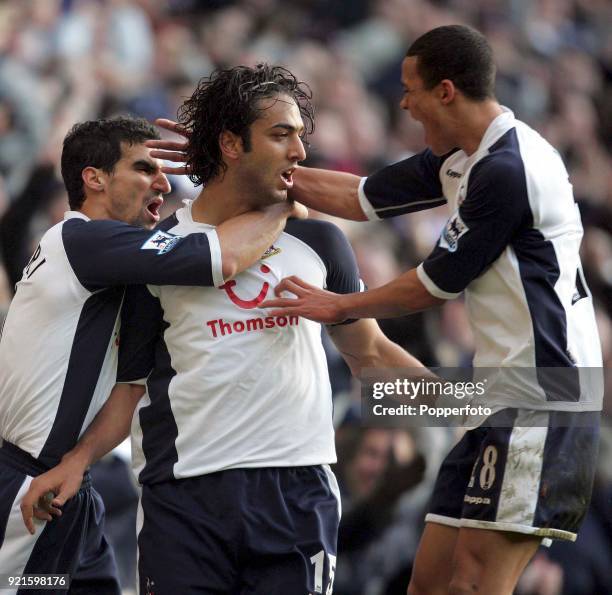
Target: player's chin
[
  {"x": 277, "y": 196},
  {"x": 146, "y": 221}
]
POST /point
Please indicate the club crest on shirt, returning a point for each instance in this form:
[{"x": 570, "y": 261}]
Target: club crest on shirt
[
  {"x": 161, "y": 241},
  {"x": 455, "y": 228},
  {"x": 271, "y": 251}
]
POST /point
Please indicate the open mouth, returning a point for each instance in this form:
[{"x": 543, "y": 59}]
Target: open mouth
[
  {"x": 287, "y": 177},
  {"x": 154, "y": 206}
]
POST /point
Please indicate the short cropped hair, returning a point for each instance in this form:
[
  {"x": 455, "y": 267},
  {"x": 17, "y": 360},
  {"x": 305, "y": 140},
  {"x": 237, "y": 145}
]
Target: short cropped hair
[
  {"x": 457, "y": 53},
  {"x": 229, "y": 100},
  {"x": 97, "y": 143}
]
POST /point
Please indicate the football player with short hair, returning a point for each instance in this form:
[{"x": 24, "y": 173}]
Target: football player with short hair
[{"x": 60, "y": 341}]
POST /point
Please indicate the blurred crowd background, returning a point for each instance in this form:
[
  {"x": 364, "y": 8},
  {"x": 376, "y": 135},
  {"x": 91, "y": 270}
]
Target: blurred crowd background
[{"x": 63, "y": 61}]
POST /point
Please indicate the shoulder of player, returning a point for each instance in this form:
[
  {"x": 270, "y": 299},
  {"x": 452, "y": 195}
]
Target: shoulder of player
[
  {"x": 168, "y": 223},
  {"x": 502, "y": 169},
  {"x": 314, "y": 231},
  {"x": 322, "y": 237},
  {"x": 89, "y": 227},
  {"x": 86, "y": 226}
]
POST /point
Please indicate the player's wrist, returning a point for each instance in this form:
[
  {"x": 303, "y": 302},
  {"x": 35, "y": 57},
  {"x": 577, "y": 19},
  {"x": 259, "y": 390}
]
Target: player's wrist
[
  {"x": 343, "y": 307},
  {"x": 79, "y": 459}
]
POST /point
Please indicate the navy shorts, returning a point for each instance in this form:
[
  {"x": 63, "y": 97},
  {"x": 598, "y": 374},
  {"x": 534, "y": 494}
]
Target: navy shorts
[
  {"x": 269, "y": 531},
  {"x": 72, "y": 544},
  {"x": 527, "y": 472}
]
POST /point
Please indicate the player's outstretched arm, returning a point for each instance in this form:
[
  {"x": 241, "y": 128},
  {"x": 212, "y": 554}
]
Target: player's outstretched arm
[
  {"x": 49, "y": 491},
  {"x": 403, "y": 295},
  {"x": 331, "y": 192}
]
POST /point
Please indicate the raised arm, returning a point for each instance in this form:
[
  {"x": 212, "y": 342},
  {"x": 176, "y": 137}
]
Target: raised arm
[
  {"x": 105, "y": 253},
  {"x": 332, "y": 192}
]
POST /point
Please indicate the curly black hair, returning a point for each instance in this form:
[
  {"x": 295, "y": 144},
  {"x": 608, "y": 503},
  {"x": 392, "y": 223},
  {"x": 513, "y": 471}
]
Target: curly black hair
[
  {"x": 229, "y": 100},
  {"x": 97, "y": 143}
]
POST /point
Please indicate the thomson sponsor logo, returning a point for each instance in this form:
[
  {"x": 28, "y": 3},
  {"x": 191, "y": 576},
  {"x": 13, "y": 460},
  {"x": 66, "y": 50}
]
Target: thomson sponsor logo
[{"x": 220, "y": 328}]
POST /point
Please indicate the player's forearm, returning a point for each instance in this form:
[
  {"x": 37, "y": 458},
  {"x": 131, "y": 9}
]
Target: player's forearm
[
  {"x": 402, "y": 296},
  {"x": 331, "y": 192},
  {"x": 380, "y": 353},
  {"x": 387, "y": 354},
  {"x": 245, "y": 238},
  {"x": 109, "y": 428}
]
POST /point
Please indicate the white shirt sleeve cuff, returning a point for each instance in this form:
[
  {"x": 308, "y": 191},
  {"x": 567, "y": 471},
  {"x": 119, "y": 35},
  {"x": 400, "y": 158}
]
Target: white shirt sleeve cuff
[
  {"x": 365, "y": 204},
  {"x": 139, "y": 381},
  {"x": 425, "y": 279},
  {"x": 216, "y": 260}
]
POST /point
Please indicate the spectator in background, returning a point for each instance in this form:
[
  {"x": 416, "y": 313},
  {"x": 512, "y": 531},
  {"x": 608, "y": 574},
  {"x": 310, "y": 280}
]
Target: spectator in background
[{"x": 376, "y": 467}]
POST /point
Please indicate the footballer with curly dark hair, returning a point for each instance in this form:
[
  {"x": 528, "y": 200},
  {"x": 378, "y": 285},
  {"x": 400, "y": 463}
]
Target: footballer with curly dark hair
[
  {"x": 231, "y": 100},
  {"x": 233, "y": 441}
]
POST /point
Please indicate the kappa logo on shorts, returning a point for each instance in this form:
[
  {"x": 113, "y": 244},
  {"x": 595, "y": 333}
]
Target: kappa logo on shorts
[
  {"x": 455, "y": 228},
  {"x": 161, "y": 241}
]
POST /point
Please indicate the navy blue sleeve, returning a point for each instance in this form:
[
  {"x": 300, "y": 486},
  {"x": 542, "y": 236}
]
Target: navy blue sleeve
[
  {"x": 495, "y": 208},
  {"x": 141, "y": 327},
  {"x": 406, "y": 186},
  {"x": 103, "y": 253},
  {"x": 334, "y": 250}
]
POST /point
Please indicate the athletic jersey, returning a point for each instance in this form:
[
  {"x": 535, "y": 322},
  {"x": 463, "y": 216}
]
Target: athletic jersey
[
  {"x": 511, "y": 244},
  {"x": 58, "y": 351},
  {"x": 230, "y": 386}
]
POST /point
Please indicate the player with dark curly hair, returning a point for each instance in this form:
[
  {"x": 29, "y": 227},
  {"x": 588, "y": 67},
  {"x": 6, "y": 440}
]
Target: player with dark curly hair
[
  {"x": 230, "y": 100},
  {"x": 233, "y": 440}
]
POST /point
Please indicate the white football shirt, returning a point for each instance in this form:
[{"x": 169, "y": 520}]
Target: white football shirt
[
  {"x": 511, "y": 245},
  {"x": 59, "y": 344},
  {"x": 230, "y": 386}
]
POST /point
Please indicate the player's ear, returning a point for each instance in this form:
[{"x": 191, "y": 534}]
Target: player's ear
[
  {"x": 230, "y": 144},
  {"x": 447, "y": 91},
  {"x": 93, "y": 178}
]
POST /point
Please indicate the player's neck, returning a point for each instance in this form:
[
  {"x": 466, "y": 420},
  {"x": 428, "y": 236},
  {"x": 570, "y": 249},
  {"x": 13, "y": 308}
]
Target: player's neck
[
  {"x": 217, "y": 202},
  {"x": 472, "y": 122},
  {"x": 95, "y": 209}
]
